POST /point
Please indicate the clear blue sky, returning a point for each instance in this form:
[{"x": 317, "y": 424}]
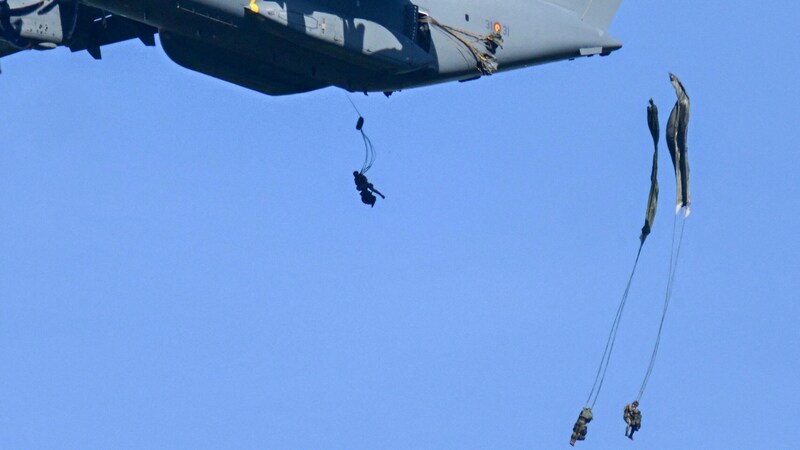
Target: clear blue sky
[{"x": 186, "y": 264}]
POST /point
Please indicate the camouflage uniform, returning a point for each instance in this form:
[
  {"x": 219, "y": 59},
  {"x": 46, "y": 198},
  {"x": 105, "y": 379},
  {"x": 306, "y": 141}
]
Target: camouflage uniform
[
  {"x": 579, "y": 429},
  {"x": 633, "y": 417}
]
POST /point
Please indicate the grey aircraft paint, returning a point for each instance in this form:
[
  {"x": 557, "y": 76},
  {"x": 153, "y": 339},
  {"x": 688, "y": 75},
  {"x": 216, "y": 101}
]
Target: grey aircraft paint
[{"x": 291, "y": 46}]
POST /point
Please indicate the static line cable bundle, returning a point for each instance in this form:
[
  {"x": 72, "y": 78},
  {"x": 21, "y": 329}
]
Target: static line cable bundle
[{"x": 486, "y": 62}]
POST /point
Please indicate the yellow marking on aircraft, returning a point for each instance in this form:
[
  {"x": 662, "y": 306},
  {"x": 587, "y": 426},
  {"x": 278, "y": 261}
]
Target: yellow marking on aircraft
[{"x": 253, "y": 6}]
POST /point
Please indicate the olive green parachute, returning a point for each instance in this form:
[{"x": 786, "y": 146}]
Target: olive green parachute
[
  {"x": 677, "y": 128},
  {"x": 676, "y": 140},
  {"x": 652, "y": 201}
]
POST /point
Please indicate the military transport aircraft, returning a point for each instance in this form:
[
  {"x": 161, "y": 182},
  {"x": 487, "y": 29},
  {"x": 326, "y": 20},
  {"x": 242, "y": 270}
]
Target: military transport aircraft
[{"x": 292, "y": 46}]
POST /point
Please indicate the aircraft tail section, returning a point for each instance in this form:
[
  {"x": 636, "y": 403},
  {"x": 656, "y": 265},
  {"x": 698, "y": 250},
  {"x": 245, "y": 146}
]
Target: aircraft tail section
[{"x": 597, "y": 13}]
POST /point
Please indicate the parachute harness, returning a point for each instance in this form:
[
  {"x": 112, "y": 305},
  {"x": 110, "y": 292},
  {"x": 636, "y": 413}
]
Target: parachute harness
[{"x": 485, "y": 61}]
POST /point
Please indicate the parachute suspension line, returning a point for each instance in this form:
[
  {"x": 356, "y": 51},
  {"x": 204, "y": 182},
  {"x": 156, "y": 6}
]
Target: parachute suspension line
[
  {"x": 369, "y": 158},
  {"x": 677, "y": 128},
  {"x": 673, "y": 265},
  {"x": 612, "y": 337},
  {"x": 369, "y": 150}
]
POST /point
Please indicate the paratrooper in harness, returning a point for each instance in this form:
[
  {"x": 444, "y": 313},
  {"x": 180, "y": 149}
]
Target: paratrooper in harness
[
  {"x": 579, "y": 429},
  {"x": 633, "y": 417},
  {"x": 366, "y": 189}
]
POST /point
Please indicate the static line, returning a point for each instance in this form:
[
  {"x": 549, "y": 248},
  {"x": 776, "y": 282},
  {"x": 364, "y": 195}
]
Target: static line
[{"x": 354, "y": 105}]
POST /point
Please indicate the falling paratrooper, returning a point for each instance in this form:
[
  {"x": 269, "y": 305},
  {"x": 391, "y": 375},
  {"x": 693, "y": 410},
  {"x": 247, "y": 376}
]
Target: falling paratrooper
[
  {"x": 580, "y": 428},
  {"x": 652, "y": 203},
  {"x": 633, "y": 418},
  {"x": 677, "y": 130},
  {"x": 363, "y": 186}
]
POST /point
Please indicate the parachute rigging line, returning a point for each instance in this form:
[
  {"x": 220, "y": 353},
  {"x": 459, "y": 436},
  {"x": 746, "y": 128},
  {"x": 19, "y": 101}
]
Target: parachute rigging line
[
  {"x": 650, "y": 213},
  {"x": 369, "y": 158},
  {"x": 677, "y": 129},
  {"x": 369, "y": 149},
  {"x": 673, "y": 265},
  {"x": 612, "y": 337}
]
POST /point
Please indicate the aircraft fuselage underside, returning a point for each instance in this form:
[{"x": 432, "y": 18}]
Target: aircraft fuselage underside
[{"x": 295, "y": 46}]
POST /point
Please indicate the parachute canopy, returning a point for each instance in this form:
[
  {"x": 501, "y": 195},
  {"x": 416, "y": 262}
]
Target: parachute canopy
[
  {"x": 652, "y": 201},
  {"x": 677, "y": 128}
]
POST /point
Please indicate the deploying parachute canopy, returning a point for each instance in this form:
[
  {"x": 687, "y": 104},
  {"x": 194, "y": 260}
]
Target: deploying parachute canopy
[
  {"x": 652, "y": 123},
  {"x": 652, "y": 201},
  {"x": 677, "y": 128}
]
